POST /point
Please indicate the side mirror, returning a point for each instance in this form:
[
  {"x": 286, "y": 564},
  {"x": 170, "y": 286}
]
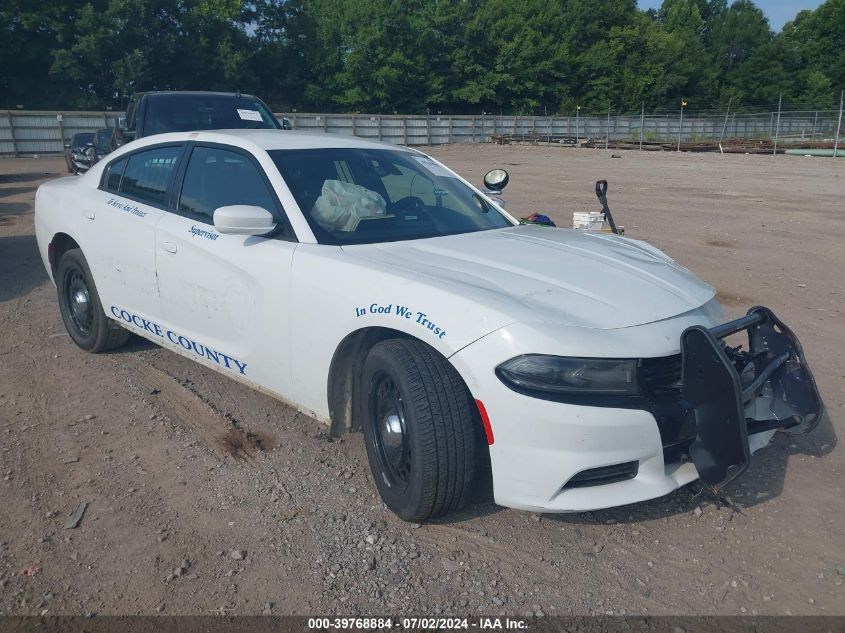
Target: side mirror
[
  {"x": 122, "y": 133},
  {"x": 243, "y": 219},
  {"x": 286, "y": 125},
  {"x": 496, "y": 179}
]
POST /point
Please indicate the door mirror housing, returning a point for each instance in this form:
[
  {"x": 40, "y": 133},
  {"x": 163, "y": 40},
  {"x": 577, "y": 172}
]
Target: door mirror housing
[
  {"x": 243, "y": 219},
  {"x": 122, "y": 132}
]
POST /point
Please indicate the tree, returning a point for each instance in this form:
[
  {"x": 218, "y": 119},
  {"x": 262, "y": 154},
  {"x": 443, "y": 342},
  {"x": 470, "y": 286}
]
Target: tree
[
  {"x": 815, "y": 45},
  {"x": 30, "y": 30},
  {"x": 298, "y": 52},
  {"x": 461, "y": 56},
  {"x": 682, "y": 21},
  {"x": 135, "y": 45},
  {"x": 651, "y": 63},
  {"x": 592, "y": 75},
  {"x": 384, "y": 56}
]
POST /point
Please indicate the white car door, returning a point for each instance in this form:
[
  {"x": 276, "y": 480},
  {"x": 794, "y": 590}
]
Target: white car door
[
  {"x": 125, "y": 210},
  {"x": 225, "y": 298}
]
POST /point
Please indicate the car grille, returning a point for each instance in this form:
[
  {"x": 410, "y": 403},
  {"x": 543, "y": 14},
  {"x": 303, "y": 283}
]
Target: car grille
[
  {"x": 659, "y": 375},
  {"x": 660, "y": 379}
]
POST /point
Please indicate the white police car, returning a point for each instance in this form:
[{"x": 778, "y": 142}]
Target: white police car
[{"x": 373, "y": 288}]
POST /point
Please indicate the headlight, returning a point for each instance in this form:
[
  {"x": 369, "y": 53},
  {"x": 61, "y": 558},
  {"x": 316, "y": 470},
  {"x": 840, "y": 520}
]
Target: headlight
[{"x": 571, "y": 376}]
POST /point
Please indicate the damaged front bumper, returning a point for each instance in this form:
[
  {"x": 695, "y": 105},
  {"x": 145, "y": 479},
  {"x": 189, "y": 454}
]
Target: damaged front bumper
[
  {"x": 734, "y": 394},
  {"x": 704, "y": 407}
]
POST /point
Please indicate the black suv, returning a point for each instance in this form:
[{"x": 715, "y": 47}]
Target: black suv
[
  {"x": 76, "y": 151},
  {"x": 87, "y": 148},
  {"x": 170, "y": 111}
]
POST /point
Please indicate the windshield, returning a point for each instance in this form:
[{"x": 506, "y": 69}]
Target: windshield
[
  {"x": 184, "y": 113},
  {"x": 365, "y": 196},
  {"x": 81, "y": 139}
]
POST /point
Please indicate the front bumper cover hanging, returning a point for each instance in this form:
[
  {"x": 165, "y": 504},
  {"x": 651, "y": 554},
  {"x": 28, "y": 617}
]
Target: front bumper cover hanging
[{"x": 735, "y": 394}]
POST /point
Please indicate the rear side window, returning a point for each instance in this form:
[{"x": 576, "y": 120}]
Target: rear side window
[
  {"x": 148, "y": 174},
  {"x": 114, "y": 174}
]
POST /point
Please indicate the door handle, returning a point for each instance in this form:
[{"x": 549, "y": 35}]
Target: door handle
[
  {"x": 88, "y": 214},
  {"x": 170, "y": 247}
]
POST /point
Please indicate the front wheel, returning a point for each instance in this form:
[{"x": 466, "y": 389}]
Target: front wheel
[
  {"x": 419, "y": 429},
  {"x": 79, "y": 303}
]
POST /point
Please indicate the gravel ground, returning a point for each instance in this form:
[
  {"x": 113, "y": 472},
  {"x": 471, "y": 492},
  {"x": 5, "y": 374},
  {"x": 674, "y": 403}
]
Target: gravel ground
[{"x": 205, "y": 497}]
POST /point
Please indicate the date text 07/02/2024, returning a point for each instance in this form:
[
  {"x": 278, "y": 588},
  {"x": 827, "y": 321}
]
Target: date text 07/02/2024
[{"x": 417, "y": 623}]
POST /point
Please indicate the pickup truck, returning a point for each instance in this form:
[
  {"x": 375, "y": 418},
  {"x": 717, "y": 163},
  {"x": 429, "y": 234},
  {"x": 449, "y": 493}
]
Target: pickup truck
[{"x": 183, "y": 111}]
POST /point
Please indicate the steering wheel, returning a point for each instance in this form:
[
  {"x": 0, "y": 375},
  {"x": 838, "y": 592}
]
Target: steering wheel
[{"x": 409, "y": 203}]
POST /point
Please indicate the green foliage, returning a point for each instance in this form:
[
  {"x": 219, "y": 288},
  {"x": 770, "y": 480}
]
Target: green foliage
[
  {"x": 458, "y": 56},
  {"x": 814, "y": 46}
]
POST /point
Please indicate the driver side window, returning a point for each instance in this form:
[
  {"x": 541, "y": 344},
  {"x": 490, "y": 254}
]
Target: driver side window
[{"x": 217, "y": 177}]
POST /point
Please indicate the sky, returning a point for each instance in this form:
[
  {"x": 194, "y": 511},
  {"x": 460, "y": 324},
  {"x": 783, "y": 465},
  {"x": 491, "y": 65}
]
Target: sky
[{"x": 778, "y": 11}]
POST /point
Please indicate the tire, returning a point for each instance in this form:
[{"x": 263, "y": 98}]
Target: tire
[
  {"x": 419, "y": 429},
  {"x": 82, "y": 312}
]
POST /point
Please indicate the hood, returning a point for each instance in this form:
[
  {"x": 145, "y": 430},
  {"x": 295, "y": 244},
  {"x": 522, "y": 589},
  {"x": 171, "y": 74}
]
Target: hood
[{"x": 582, "y": 279}]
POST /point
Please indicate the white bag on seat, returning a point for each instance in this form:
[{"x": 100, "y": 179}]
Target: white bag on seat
[{"x": 341, "y": 205}]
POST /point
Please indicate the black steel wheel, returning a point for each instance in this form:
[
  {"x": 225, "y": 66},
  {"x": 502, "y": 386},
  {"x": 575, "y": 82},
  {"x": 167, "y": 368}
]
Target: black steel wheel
[
  {"x": 79, "y": 299},
  {"x": 391, "y": 443},
  {"x": 419, "y": 429},
  {"x": 79, "y": 303}
]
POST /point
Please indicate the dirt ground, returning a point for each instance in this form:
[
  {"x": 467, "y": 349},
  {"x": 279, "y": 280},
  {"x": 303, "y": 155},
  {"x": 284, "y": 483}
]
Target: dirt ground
[{"x": 205, "y": 497}]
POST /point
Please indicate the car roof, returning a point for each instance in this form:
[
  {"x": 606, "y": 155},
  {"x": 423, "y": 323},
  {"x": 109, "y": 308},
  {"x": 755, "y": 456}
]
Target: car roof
[
  {"x": 273, "y": 139},
  {"x": 192, "y": 93},
  {"x": 294, "y": 139}
]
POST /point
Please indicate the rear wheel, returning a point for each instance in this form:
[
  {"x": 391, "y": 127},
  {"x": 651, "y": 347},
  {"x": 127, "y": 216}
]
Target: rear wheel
[
  {"x": 418, "y": 429},
  {"x": 79, "y": 303}
]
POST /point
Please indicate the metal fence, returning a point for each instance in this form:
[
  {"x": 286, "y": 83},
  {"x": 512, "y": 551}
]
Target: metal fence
[
  {"x": 38, "y": 132},
  {"x": 440, "y": 129}
]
